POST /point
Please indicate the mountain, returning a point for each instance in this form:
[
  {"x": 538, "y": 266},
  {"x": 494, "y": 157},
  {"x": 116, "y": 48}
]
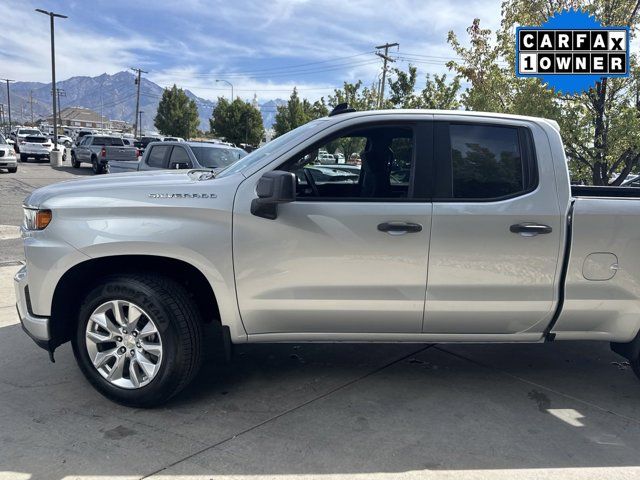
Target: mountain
[
  {"x": 269, "y": 110},
  {"x": 112, "y": 95}
]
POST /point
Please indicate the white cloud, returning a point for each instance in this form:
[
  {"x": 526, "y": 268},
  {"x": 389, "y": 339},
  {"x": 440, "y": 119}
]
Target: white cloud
[{"x": 205, "y": 39}]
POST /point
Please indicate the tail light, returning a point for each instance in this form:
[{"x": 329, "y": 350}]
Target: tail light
[
  {"x": 103, "y": 152},
  {"x": 138, "y": 152}
]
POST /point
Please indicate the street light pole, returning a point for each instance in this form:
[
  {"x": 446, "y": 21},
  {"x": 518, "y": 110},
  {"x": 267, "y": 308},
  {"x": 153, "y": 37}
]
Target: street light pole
[
  {"x": 52, "y": 16},
  {"x": 228, "y": 83}
]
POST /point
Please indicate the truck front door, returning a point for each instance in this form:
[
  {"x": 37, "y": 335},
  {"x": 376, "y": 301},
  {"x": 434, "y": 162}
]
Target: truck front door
[{"x": 350, "y": 254}]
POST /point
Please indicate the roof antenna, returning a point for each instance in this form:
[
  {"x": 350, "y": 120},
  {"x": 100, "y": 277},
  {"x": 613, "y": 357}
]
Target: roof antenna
[{"x": 341, "y": 108}]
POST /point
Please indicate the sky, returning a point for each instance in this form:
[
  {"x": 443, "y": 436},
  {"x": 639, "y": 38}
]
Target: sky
[{"x": 261, "y": 47}]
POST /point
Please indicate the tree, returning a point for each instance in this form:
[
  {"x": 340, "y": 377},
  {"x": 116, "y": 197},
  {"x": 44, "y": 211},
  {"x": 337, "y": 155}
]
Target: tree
[
  {"x": 297, "y": 112},
  {"x": 177, "y": 115},
  {"x": 437, "y": 93},
  {"x": 237, "y": 122},
  {"x": 351, "y": 93},
  {"x": 601, "y": 128},
  {"x": 440, "y": 95}
]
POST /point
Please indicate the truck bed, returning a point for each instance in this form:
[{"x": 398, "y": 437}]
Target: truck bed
[{"x": 602, "y": 285}]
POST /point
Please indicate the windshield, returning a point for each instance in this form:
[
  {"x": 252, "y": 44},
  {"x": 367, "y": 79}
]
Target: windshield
[
  {"x": 108, "y": 141},
  {"x": 268, "y": 149},
  {"x": 212, "y": 157},
  {"x": 26, "y": 131}
]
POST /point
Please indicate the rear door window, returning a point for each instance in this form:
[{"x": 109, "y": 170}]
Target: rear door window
[
  {"x": 489, "y": 162},
  {"x": 158, "y": 156}
]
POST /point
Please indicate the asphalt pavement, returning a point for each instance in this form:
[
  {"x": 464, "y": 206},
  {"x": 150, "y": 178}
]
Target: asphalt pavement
[{"x": 381, "y": 412}]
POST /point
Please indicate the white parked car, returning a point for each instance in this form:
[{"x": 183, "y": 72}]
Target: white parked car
[
  {"x": 20, "y": 133},
  {"x": 8, "y": 158},
  {"x": 35, "y": 146}
]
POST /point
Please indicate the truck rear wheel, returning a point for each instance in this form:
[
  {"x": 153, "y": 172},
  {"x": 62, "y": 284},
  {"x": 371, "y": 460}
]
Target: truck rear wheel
[
  {"x": 96, "y": 167},
  {"x": 138, "y": 339}
]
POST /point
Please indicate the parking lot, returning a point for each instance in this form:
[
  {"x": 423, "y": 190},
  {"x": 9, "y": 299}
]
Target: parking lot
[{"x": 560, "y": 410}]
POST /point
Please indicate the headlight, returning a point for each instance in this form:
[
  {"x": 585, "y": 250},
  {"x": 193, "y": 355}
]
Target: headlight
[{"x": 36, "y": 219}]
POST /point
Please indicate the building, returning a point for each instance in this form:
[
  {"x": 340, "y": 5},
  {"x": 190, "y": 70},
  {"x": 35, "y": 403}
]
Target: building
[
  {"x": 120, "y": 126},
  {"x": 81, "y": 117}
]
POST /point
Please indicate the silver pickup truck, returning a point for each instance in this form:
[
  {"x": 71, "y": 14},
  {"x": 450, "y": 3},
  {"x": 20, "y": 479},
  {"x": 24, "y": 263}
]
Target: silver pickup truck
[
  {"x": 99, "y": 150},
  {"x": 458, "y": 227},
  {"x": 175, "y": 155}
]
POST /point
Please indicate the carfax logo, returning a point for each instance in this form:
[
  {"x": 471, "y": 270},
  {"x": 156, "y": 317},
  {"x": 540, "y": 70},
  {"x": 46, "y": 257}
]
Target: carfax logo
[{"x": 571, "y": 51}]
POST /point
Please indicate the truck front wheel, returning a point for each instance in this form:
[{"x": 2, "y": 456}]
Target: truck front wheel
[
  {"x": 138, "y": 339},
  {"x": 74, "y": 161}
]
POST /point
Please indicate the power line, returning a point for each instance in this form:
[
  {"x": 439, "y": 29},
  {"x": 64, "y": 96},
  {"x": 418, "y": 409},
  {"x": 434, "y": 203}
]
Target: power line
[{"x": 278, "y": 69}]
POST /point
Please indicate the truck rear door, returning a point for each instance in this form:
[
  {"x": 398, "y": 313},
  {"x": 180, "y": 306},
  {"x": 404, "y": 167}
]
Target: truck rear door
[{"x": 494, "y": 260}]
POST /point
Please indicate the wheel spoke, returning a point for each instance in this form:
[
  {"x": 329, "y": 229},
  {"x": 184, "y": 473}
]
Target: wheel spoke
[
  {"x": 116, "y": 308},
  {"x": 97, "y": 337},
  {"x": 133, "y": 316},
  {"x": 102, "y": 320},
  {"x": 152, "y": 348},
  {"x": 149, "y": 329},
  {"x": 118, "y": 368},
  {"x": 134, "y": 375},
  {"x": 146, "y": 365},
  {"x": 101, "y": 358}
]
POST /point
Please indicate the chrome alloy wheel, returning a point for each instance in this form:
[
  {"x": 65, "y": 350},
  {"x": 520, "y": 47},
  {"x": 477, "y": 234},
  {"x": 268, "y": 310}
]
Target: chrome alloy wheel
[{"x": 124, "y": 344}]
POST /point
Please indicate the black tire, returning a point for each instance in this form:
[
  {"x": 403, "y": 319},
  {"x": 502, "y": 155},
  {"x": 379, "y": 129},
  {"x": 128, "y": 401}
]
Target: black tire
[
  {"x": 24, "y": 158},
  {"x": 96, "y": 167},
  {"x": 74, "y": 162},
  {"x": 635, "y": 365},
  {"x": 178, "y": 321},
  {"x": 12, "y": 169}
]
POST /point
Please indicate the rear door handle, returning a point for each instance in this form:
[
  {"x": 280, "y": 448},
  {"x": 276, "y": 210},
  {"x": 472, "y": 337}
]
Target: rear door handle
[
  {"x": 399, "y": 228},
  {"x": 530, "y": 229}
]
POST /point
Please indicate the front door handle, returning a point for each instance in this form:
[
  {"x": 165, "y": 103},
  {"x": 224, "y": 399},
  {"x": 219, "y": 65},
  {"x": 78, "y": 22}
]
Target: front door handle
[
  {"x": 399, "y": 228},
  {"x": 530, "y": 229}
]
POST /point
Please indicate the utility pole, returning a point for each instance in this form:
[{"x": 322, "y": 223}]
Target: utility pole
[
  {"x": 31, "y": 105},
  {"x": 60, "y": 93},
  {"x": 135, "y": 125},
  {"x": 52, "y": 17},
  {"x": 386, "y": 58},
  {"x": 2, "y": 115},
  {"x": 141, "y": 112},
  {"x": 8, "y": 100}
]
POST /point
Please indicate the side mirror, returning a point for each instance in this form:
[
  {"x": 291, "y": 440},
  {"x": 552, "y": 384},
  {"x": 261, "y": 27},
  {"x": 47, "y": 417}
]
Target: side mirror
[{"x": 273, "y": 188}]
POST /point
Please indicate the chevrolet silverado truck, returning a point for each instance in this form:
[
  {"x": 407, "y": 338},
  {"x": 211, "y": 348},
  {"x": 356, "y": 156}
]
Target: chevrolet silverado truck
[
  {"x": 99, "y": 150},
  {"x": 481, "y": 240}
]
